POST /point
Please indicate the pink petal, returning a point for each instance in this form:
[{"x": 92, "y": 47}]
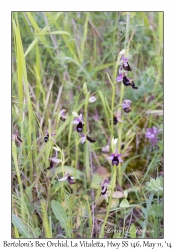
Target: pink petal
[
  {"x": 110, "y": 157},
  {"x": 64, "y": 178},
  {"x": 119, "y": 119},
  {"x": 125, "y": 64},
  {"x": 120, "y": 70},
  {"x": 116, "y": 150},
  {"x": 83, "y": 139},
  {"x": 120, "y": 160},
  {"x": 75, "y": 122},
  {"x": 119, "y": 78},
  {"x": 56, "y": 160}
]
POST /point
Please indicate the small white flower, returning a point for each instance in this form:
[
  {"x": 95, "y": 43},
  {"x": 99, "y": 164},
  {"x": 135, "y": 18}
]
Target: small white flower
[
  {"x": 114, "y": 141},
  {"x": 122, "y": 52},
  {"x": 92, "y": 99},
  {"x": 75, "y": 114}
]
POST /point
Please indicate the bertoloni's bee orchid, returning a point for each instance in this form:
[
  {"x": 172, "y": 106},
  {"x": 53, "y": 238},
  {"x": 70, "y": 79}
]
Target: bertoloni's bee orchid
[
  {"x": 86, "y": 137},
  {"x": 68, "y": 177},
  {"x": 124, "y": 63},
  {"x": 54, "y": 160},
  {"x": 115, "y": 158},
  {"x": 126, "y": 105},
  {"x": 104, "y": 186},
  {"x": 62, "y": 115},
  {"x": 79, "y": 121}
]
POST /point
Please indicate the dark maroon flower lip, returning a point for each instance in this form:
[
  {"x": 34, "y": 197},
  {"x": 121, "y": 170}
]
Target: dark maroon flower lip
[
  {"x": 69, "y": 178},
  {"x": 62, "y": 115},
  {"x": 125, "y": 64},
  {"x": 126, "y": 105},
  {"x": 127, "y": 68},
  {"x": 54, "y": 160},
  {"x": 80, "y": 127},
  {"x": 85, "y": 137},
  {"x": 79, "y": 121},
  {"x": 117, "y": 117},
  {"x": 115, "y": 158},
  {"x": 104, "y": 186},
  {"x": 47, "y": 136},
  {"x": 129, "y": 82},
  {"x": 16, "y": 138},
  {"x": 127, "y": 110}
]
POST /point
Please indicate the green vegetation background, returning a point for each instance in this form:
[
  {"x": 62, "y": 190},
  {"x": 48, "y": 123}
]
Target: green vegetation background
[{"x": 59, "y": 60}]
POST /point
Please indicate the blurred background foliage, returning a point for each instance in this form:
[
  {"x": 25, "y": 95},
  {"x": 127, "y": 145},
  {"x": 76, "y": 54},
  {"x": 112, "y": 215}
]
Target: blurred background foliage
[{"x": 53, "y": 55}]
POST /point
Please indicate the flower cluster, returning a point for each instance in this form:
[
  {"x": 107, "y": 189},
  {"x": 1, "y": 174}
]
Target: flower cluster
[
  {"x": 116, "y": 159},
  {"x": 151, "y": 134},
  {"x": 123, "y": 75},
  {"x": 79, "y": 121}
]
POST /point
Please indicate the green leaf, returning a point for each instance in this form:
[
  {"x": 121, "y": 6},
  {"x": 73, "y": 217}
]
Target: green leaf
[
  {"x": 132, "y": 231},
  {"x": 124, "y": 203},
  {"x": 37, "y": 232},
  {"x": 156, "y": 210},
  {"x": 125, "y": 164},
  {"x": 20, "y": 226},
  {"x": 96, "y": 179},
  {"x": 155, "y": 185},
  {"x": 74, "y": 172},
  {"x": 61, "y": 215},
  {"x": 42, "y": 33}
]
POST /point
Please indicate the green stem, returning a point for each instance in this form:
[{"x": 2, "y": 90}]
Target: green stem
[
  {"x": 124, "y": 222},
  {"x": 15, "y": 159},
  {"x": 86, "y": 149}
]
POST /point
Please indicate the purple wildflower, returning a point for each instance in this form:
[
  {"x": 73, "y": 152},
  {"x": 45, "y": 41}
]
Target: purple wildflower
[
  {"x": 105, "y": 149},
  {"x": 104, "y": 186},
  {"x": 69, "y": 178},
  {"x": 119, "y": 78},
  {"x": 126, "y": 105},
  {"x": 125, "y": 64},
  {"x": 115, "y": 158},
  {"x": 54, "y": 161},
  {"x": 16, "y": 138},
  {"x": 151, "y": 134},
  {"x": 121, "y": 75},
  {"x": 151, "y": 98},
  {"x": 128, "y": 82},
  {"x": 62, "y": 114},
  {"x": 47, "y": 136},
  {"x": 117, "y": 117},
  {"x": 84, "y": 137},
  {"x": 79, "y": 121}
]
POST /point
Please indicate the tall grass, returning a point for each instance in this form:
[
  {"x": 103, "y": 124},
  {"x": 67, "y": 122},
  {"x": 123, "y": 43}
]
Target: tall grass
[{"x": 59, "y": 60}]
